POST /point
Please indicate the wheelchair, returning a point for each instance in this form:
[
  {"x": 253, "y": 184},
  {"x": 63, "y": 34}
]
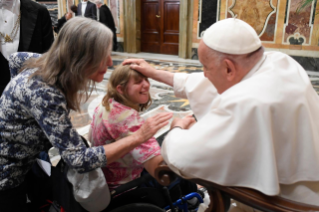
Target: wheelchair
[{"x": 131, "y": 197}]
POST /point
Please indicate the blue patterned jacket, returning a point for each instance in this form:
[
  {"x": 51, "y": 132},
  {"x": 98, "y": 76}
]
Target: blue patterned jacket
[{"x": 34, "y": 114}]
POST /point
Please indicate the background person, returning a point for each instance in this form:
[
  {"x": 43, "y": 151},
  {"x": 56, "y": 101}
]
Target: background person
[
  {"x": 29, "y": 27},
  {"x": 105, "y": 16},
  {"x": 66, "y": 17},
  {"x": 258, "y": 117},
  {"x": 87, "y": 9},
  {"x": 35, "y": 106}
]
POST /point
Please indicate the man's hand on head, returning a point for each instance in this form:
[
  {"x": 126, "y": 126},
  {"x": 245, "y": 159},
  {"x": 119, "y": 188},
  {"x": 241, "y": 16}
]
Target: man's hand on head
[
  {"x": 184, "y": 123},
  {"x": 141, "y": 66}
]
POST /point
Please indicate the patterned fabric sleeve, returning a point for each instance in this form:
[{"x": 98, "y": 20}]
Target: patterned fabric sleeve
[
  {"x": 17, "y": 59},
  {"x": 48, "y": 107}
]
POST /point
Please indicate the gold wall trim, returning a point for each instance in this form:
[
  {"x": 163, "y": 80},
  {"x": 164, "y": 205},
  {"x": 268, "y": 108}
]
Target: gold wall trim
[{"x": 185, "y": 28}]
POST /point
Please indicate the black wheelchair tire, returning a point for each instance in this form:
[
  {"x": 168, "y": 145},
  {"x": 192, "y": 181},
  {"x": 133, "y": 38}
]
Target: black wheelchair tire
[{"x": 138, "y": 207}]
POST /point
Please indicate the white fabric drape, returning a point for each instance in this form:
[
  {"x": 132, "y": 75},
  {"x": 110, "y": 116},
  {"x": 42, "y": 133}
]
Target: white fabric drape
[{"x": 259, "y": 134}]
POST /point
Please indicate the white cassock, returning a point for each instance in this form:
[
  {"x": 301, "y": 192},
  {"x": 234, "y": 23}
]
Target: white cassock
[{"x": 262, "y": 133}]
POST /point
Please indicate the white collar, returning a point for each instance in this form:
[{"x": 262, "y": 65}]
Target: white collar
[
  {"x": 11, "y": 5},
  {"x": 255, "y": 68},
  {"x": 84, "y": 2}
]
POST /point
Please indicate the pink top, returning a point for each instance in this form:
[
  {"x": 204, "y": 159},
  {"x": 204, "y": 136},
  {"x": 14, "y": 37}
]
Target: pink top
[{"x": 119, "y": 122}]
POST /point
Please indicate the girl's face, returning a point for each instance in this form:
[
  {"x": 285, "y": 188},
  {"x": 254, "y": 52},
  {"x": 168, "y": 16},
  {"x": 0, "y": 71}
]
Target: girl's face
[
  {"x": 138, "y": 90},
  {"x": 99, "y": 74}
]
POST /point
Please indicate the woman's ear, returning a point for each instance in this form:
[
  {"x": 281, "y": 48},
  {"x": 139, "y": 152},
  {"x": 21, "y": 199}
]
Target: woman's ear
[{"x": 120, "y": 89}]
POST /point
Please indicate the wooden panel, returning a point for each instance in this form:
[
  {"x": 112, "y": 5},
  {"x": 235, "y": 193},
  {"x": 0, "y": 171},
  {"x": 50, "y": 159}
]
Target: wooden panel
[
  {"x": 151, "y": 38},
  {"x": 150, "y": 22},
  {"x": 171, "y": 17},
  {"x": 160, "y": 26},
  {"x": 150, "y": 26},
  {"x": 170, "y": 38},
  {"x": 170, "y": 21},
  {"x": 169, "y": 49}
]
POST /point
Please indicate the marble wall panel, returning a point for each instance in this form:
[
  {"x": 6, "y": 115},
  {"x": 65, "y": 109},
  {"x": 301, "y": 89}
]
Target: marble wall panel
[
  {"x": 254, "y": 12},
  {"x": 298, "y": 25},
  {"x": 269, "y": 33},
  {"x": 208, "y": 15},
  {"x": 260, "y": 14},
  {"x": 53, "y": 10},
  {"x": 282, "y": 23}
]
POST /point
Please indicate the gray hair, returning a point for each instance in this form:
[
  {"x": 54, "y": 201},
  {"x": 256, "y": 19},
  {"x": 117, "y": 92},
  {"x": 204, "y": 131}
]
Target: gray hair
[
  {"x": 98, "y": 2},
  {"x": 244, "y": 60},
  {"x": 78, "y": 51}
]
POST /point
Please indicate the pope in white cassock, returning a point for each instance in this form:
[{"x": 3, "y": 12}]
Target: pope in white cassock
[{"x": 257, "y": 112}]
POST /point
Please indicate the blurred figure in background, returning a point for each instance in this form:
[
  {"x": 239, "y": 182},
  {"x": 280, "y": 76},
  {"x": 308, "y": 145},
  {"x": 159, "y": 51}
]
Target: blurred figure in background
[
  {"x": 87, "y": 9},
  {"x": 65, "y": 18},
  {"x": 104, "y": 16}
]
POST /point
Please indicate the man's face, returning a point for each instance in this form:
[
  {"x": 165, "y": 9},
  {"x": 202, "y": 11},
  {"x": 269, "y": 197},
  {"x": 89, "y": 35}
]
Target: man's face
[
  {"x": 98, "y": 5},
  {"x": 213, "y": 69}
]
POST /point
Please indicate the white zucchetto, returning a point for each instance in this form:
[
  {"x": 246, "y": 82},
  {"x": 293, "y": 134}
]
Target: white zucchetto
[{"x": 232, "y": 36}]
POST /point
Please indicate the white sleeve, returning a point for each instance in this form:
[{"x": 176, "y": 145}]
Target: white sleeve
[{"x": 197, "y": 89}]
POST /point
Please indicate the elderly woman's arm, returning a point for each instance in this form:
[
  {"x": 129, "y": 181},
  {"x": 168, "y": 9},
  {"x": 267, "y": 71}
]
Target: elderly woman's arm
[
  {"x": 49, "y": 108},
  {"x": 116, "y": 150}
]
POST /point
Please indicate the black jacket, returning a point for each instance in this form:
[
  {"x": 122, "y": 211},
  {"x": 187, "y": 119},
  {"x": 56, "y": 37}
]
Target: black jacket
[
  {"x": 60, "y": 24},
  {"x": 90, "y": 11},
  {"x": 36, "y": 35},
  {"x": 106, "y": 18}
]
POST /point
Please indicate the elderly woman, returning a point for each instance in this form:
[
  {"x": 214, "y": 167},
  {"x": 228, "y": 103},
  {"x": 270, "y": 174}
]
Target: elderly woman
[{"x": 35, "y": 106}]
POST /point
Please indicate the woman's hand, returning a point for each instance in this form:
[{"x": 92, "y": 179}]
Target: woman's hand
[
  {"x": 116, "y": 150},
  {"x": 152, "y": 125},
  {"x": 141, "y": 66},
  {"x": 184, "y": 123}
]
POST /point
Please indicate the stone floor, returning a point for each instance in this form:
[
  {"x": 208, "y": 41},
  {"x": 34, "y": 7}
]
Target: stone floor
[{"x": 162, "y": 95}]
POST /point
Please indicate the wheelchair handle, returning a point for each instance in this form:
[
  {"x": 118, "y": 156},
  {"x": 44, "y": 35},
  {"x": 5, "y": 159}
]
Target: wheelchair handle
[{"x": 164, "y": 175}]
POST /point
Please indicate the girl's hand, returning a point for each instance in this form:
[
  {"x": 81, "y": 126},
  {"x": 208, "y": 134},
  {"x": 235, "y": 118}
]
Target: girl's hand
[{"x": 152, "y": 125}]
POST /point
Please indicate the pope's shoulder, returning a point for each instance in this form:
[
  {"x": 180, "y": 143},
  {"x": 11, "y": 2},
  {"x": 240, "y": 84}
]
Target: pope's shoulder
[{"x": 278, "y": 79}]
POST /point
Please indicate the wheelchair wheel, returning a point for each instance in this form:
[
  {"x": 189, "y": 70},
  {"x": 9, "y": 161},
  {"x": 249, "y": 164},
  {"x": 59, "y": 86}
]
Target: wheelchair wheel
[{"x": 138, "y": 207}]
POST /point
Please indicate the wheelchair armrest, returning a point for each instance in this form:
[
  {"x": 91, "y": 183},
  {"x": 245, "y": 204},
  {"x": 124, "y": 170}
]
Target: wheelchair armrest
[{"x": 164, "y": 175}]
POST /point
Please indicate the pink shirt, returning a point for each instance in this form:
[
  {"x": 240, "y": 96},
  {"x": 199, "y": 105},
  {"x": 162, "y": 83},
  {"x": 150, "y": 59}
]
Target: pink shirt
[{"x": 119, "y": 122}]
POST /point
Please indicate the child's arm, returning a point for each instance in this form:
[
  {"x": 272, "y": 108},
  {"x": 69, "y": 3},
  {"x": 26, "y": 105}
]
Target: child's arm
[{"x": 152, "y": 164}]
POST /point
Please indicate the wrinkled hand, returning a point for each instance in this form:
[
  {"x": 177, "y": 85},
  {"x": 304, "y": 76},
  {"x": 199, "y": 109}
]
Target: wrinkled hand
[
  {"x": 184, "y": 123},
  {"x": 152, "y": 125},
  {"x": 141, "y": 66}
]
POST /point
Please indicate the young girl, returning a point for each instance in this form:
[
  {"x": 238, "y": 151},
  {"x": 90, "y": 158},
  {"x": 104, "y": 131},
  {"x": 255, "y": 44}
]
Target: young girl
[{"x": 118, "y": 117}]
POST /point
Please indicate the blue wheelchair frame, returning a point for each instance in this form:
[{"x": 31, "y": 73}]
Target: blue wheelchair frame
[{"x": 182, "y": 203}]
